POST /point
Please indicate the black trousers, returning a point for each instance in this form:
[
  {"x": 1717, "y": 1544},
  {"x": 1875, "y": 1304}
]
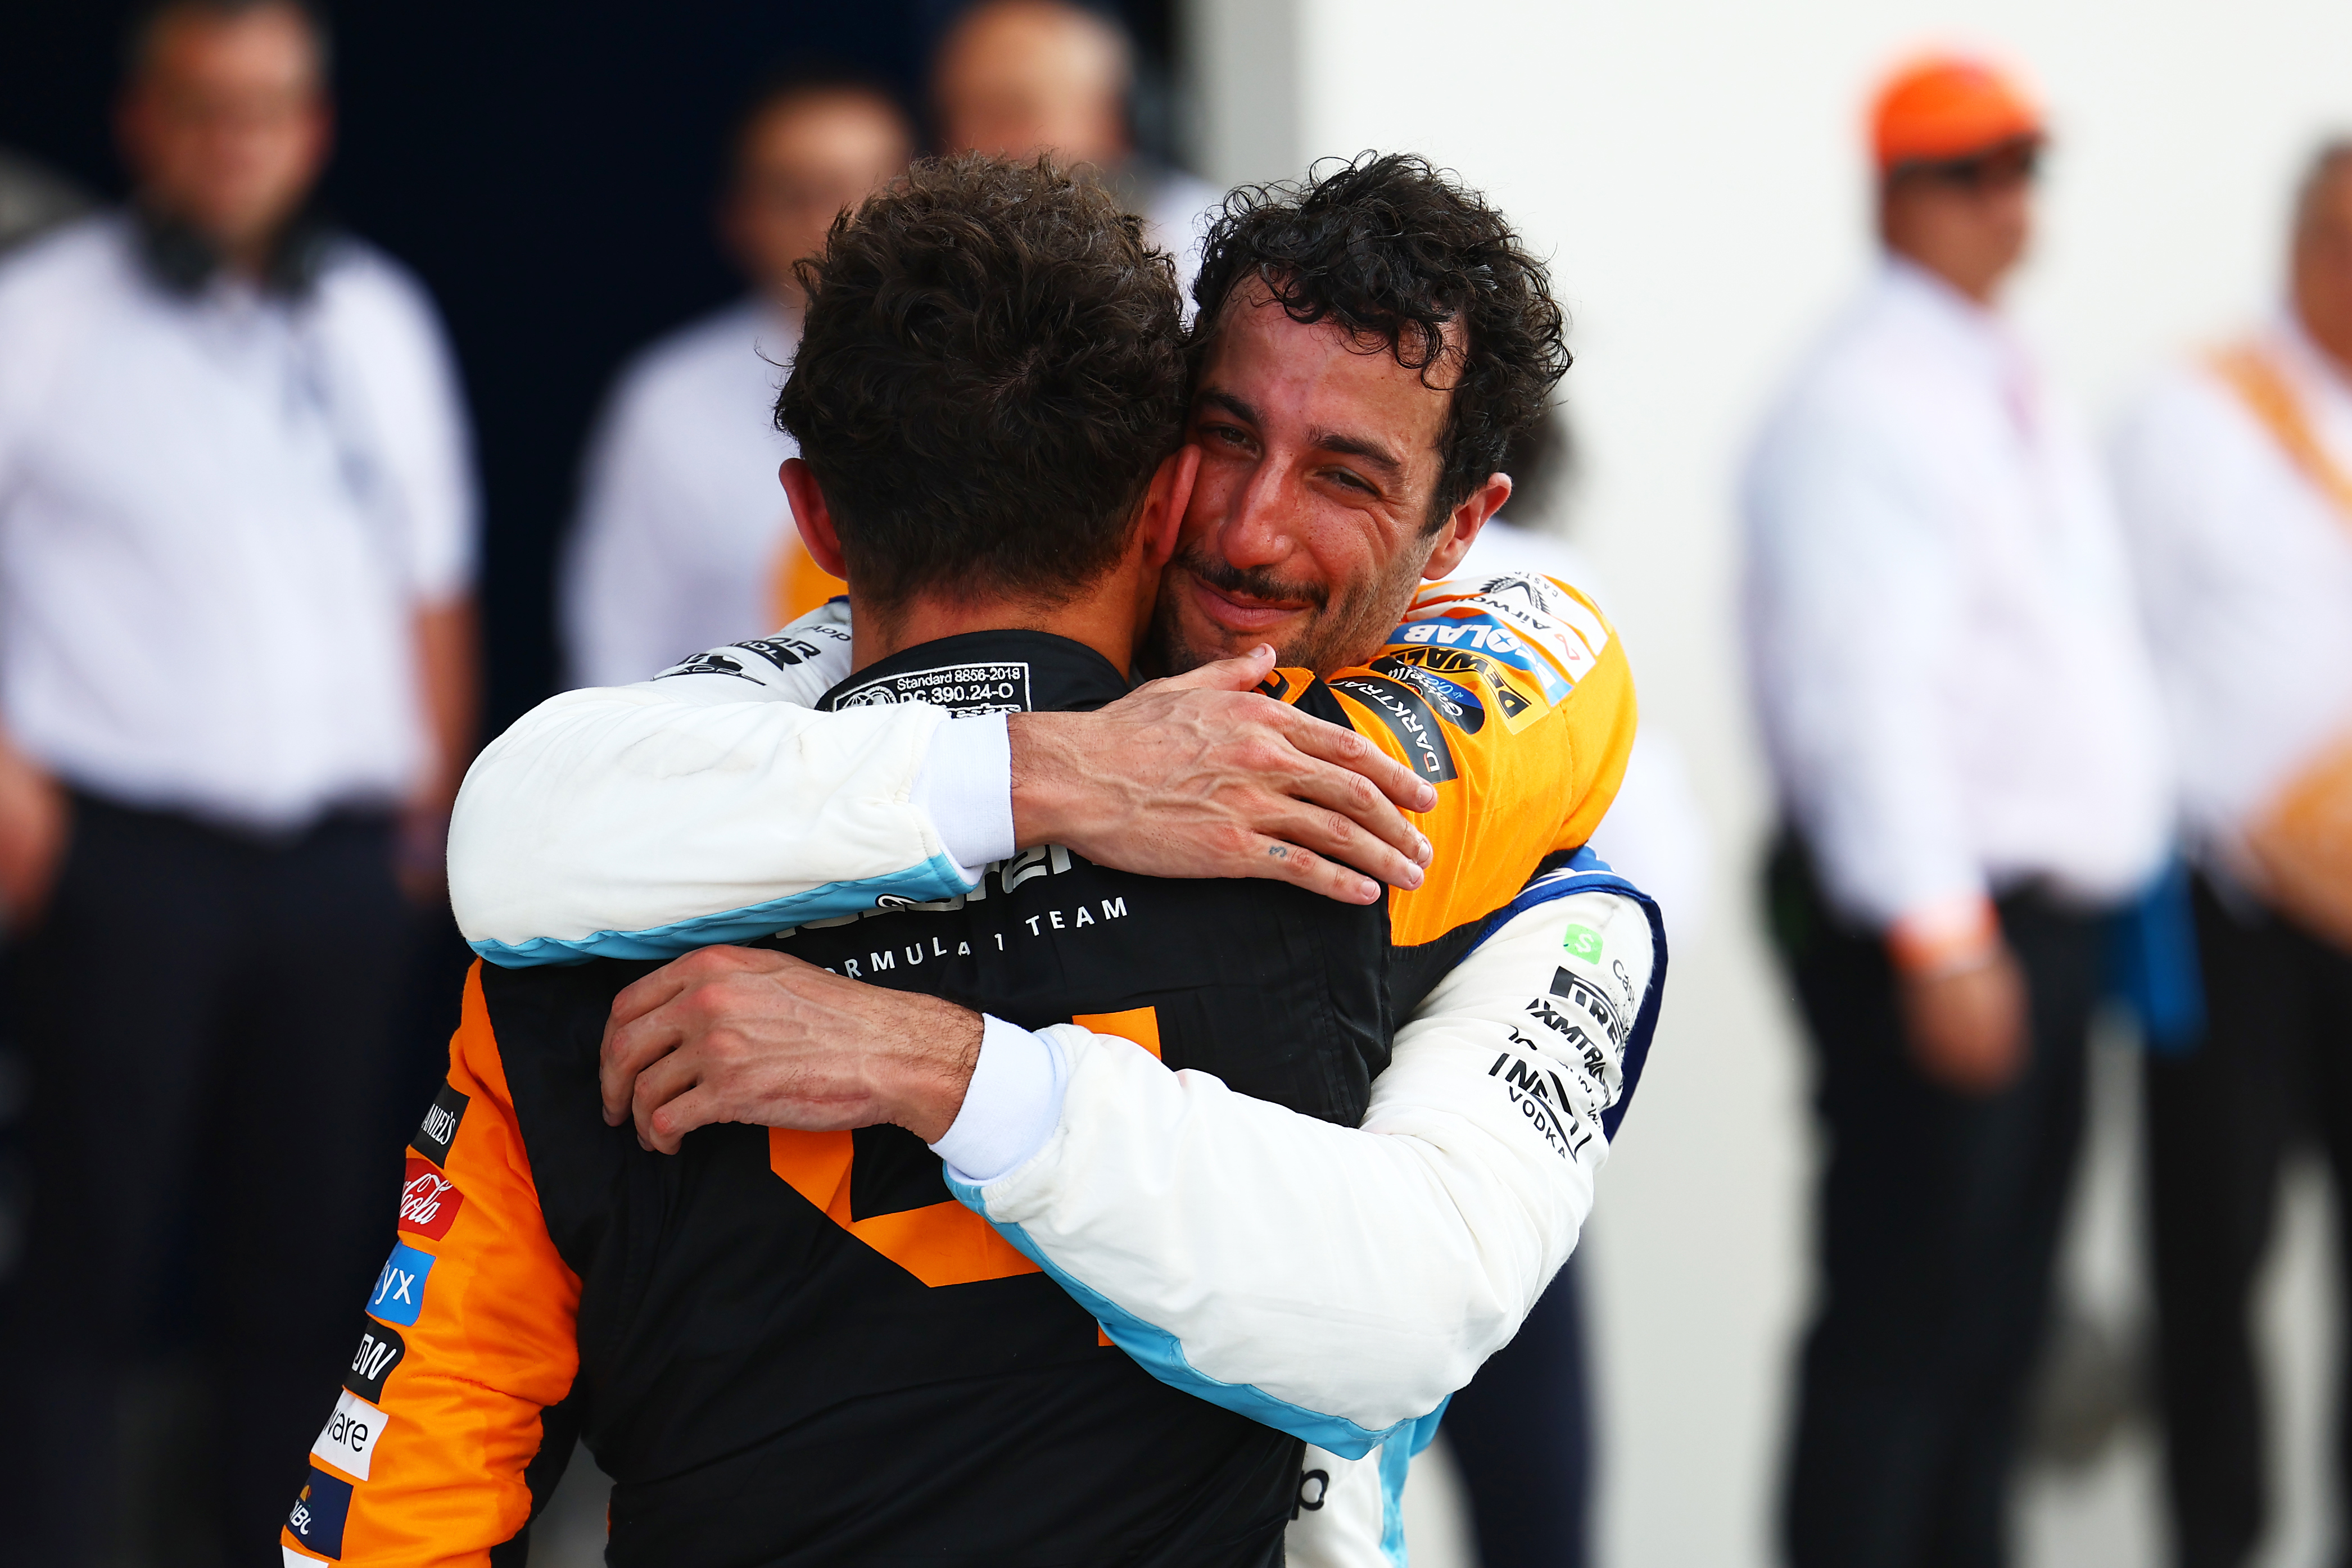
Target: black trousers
[
  {"x": 1940, "y": 1216},
  {"x": 1522, "y": 1432},
  {"x": 2275, "y": 1065},
  {"x": 207, "y": 1018}
]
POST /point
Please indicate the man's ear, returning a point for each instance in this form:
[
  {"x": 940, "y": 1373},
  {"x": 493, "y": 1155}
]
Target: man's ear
[
  {"x": 812, "y": 517},
  {"x": 1461, "y": 530},
  {"x": 1165, "y": 503}
]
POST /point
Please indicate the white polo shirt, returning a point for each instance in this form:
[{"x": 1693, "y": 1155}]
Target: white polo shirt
[
  {"x": 682, "y": 522},
  {"x": 217, "y": 518},
  {"x": 1941, "y": 632},
  {"x": 2245, "y": 568}
]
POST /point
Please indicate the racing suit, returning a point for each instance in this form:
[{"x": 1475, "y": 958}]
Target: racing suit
[{"x": 1517, "y": 1192}]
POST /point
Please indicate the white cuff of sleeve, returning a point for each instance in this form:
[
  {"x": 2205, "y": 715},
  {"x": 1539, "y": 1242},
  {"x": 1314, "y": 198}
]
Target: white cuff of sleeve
[
  {"x": 1010, "y": 1109},
  {"x": 965, "y": 784}
]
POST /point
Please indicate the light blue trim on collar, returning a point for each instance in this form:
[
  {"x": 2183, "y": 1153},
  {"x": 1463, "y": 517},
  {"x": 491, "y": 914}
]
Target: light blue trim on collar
[
  {"x": 1161, "y": 1354},
  {"x": 936, "y": 878}
]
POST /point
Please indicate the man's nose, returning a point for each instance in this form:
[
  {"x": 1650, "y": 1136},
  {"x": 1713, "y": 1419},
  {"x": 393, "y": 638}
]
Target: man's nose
[{"x": 1262, "y": 529}]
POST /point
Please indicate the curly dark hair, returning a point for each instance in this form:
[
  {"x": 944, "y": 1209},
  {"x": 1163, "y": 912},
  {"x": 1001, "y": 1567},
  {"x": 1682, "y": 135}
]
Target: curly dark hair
[
  {"x": 989, "y": 369},
  {"x": 1393, "y": 249}
]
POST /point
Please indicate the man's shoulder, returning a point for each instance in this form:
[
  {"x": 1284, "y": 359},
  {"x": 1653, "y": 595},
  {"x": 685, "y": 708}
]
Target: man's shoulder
[
  {"x": 2189, "y": 400},
  {"x": 724, "y": 351},
  {"x": 1510, "y": 693},
  {"x": 357, "y": 281},
  {"x": 59, "y": 281}
]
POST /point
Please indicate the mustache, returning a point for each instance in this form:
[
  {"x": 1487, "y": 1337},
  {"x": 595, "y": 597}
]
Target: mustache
[{"x": 1251, "y": 582}]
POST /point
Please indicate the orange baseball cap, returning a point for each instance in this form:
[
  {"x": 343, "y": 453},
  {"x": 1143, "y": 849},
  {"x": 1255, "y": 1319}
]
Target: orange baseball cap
[{"x": 1947, "y": 106}]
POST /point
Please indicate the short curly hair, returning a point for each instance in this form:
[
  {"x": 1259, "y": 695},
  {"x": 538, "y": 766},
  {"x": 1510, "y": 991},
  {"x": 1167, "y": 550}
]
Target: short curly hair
[
  {"x": 991, "y": 367},
  {"x": 1393, "y": 249}
]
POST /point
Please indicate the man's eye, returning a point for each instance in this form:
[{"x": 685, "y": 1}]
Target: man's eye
[{"x": 1346, "y": 480}]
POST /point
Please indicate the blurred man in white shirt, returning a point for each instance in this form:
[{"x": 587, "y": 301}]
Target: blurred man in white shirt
[
  {"x": 683, "y": 540},
  {"x": 2235, "y": 476},
  {"x": 237, "y": 520},
  {"x": 1964, "y": 729},
  {"x": 1017, "y": 77}
]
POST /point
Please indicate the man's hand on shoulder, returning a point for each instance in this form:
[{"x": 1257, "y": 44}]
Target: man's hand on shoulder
[
  {"x": 1201, "y": 776},
  {"x": 731, "y": 1034}
]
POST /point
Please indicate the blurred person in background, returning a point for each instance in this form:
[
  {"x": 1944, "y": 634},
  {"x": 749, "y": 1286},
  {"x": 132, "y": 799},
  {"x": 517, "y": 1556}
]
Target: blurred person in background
[
  {"x": 237, "y": 677},
  {"x": 1522, "y": 1432},
  {"x": 1964, "y": 729},
  {"x": 2235, "y": 477},
  {"x": 683, "y": 541},
  {"x": 1017, "y": 77}
]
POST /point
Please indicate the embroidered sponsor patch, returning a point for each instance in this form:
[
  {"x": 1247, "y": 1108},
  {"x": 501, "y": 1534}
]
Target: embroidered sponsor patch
[
  {"x": 380, "y": 1351},
  {"x": 1592, "y": 1002},
  {"x": 428, "y": 1200},
  {"x": 320, "y": 1509},
  {"x": 399, "y": 1293},
  {"x": 348, "y": 1439},
  {"x": 439, "y": 1129},
  {"x": 784, "y": 652},
  {"x": 711, "y": 664},
  {"x": 961, "y": 689},
  {"x": 1409, "y": 718},
  {"x": 1583, "y": 941},
  {"x": 1540, "y": 1098}
]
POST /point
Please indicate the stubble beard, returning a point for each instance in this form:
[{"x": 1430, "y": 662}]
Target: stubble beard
[{"x": 1346, "y": 628}]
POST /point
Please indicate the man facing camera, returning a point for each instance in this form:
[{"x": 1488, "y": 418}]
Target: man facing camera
[
  {"x": 1963, "y": 727},
  {"x": 793, "y": 1344},
  {"x": 237, "y": 683},
  {"x": 683, "y": 540}
]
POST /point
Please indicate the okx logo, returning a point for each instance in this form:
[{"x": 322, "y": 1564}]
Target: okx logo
[{"x": 400, "y": 1288}]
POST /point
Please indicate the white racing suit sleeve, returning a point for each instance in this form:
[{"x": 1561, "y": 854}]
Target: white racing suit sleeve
[
  {"x": 1335, "y": 1282},
  {"x": 713, "y": 804}
]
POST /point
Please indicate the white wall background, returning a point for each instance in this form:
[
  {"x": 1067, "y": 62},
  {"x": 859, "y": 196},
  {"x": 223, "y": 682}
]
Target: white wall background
[{"x": 1692, "y": 167}]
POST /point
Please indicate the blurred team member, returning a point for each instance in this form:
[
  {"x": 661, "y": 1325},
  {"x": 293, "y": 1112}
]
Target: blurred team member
[
  {"x": 235, "y": 550},
  {"x": 1019, "y": 77},
  {"x": 683, "y": 541},
  {"x": 1966, "y": 736},
  {"x": 2236, "y": 483}
]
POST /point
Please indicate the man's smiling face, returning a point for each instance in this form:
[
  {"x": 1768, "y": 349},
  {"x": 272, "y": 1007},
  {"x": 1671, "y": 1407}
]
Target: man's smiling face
[{"x": 1308, "y": 524}]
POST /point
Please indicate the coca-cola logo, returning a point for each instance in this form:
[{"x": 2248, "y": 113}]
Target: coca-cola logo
[{"x": 429, "y": 1201}]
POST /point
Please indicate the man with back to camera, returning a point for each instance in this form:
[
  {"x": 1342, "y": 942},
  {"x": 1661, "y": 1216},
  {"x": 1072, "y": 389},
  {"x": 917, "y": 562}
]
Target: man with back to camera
[
  {"x": 648, "y": 819},
  {"x": 1964, "y": 730},
  {"x": 683, "y": 540},
  {"x": 2235, "y": 479},
  {"x": 236, "y": 664},
  {"x": 951, "y": 459}
]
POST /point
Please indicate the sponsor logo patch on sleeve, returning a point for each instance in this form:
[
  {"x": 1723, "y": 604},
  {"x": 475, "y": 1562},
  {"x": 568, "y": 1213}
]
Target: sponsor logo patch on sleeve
[
  {"x": 439, "y": 1129},
  {"x": 317, "y": 1520},
  {"x": 1408, "y": 718},
  {"x": 400, "y": 1288},
  {"x": 348, "y": 1439},
  {"x": 380, "y": 1351},
  {"x": 429, "y": 1201}
]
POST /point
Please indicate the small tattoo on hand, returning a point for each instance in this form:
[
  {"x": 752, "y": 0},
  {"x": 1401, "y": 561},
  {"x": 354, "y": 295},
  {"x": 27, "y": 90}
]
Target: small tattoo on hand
[{"x": 1279, "y": 852}]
